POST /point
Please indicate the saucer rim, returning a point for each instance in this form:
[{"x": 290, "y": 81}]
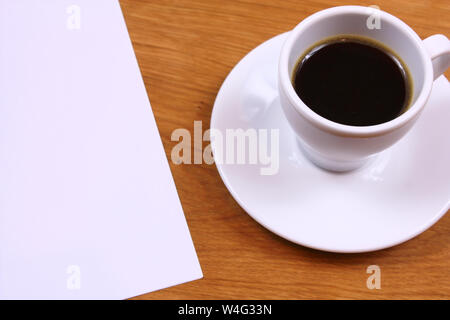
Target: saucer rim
[{"x": 220, "y": 167}]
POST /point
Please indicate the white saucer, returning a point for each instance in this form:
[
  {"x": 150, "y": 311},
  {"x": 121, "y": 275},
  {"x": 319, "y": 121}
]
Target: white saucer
[{"x": 397, "y": 196}]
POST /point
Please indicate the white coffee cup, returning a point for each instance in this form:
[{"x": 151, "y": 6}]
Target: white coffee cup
[{"x": 339, "y": 147}]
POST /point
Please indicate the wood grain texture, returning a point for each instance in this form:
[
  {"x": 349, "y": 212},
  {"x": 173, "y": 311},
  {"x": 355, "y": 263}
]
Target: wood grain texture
[{"x": 185, "y": 49}]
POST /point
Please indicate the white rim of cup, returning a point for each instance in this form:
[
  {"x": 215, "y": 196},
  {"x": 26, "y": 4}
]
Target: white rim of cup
[{"x": 342, "y": 129}]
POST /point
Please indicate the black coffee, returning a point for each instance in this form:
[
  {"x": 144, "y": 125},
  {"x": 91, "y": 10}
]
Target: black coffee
[{"x": 353, "y": 81}]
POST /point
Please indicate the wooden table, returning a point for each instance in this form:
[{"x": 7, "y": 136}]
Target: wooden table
[{"x": 185, "y": 49}]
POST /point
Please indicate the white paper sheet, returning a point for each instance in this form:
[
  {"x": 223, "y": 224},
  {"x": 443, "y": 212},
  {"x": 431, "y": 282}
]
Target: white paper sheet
[{"x": 88, "y": 207}]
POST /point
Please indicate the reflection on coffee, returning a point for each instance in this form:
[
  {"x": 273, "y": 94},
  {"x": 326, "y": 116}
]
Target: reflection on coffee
[{"x": 353, "y": 80}]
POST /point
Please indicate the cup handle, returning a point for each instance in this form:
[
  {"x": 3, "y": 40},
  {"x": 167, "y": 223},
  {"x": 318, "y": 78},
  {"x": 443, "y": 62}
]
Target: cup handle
[{"x": 438, "y": 47}]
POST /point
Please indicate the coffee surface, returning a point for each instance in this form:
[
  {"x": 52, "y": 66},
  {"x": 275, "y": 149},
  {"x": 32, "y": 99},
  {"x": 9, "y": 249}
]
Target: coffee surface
[{"x": 352, "y": 82}]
